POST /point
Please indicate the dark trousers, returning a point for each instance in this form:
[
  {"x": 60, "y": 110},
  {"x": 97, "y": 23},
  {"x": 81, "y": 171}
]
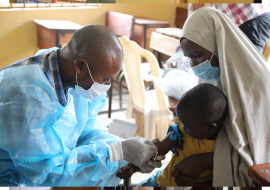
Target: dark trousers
[{"x": 257, "y": 30}]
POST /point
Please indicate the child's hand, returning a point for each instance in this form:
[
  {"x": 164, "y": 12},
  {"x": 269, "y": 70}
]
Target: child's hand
[
  {"x": 125, "y": 172},
  {"x": 177, "y": 147}
]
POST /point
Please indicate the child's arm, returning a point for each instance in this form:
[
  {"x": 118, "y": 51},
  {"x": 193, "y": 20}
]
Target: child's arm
[{"x": 166, "y": 144}]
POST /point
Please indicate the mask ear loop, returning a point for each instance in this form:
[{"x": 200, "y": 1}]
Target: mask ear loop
[
  {"x": 89, "y": 72},
  {"x": 76, "y": 75},
  {"x": 211, "y": 57},
  {"x": 77, "y": 80}
]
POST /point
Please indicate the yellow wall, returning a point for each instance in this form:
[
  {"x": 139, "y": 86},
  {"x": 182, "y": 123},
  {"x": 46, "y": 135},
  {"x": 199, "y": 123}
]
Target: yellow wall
[
  {"x": 18, "y": 37},
  {"x": 144, "y": 1},
  {"x": 129, "y": 1},
  {"x": 172, "y": 1},
  {"x": 220, "y": 1}
]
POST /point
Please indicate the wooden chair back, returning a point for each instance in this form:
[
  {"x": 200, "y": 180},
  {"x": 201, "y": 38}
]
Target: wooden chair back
[
  {"x": 181, "y": 16},
  {"x": 120, "y": 24}
]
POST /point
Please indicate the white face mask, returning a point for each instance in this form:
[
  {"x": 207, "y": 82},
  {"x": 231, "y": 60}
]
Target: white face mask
[{"x": 94, "y": 91}]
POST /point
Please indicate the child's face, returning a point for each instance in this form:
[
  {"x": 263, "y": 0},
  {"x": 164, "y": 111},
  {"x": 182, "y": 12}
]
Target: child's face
[{"x": 194, "y": 127}]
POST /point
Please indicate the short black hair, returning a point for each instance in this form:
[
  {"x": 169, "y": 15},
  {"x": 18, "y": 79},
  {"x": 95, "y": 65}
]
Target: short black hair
[
  {"x": 206, "y": 101},
  {"x": 96, "y": 41}
]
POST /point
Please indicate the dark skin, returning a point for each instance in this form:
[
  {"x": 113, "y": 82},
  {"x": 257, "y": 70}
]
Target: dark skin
[
  {"x": 188, "y": 169},
  {"x": 164, "y": 146},
  {"x": 70, "y": 64},
  {"x": 199, "y": 130},
  {"x": 196, "y": 129},
  {"x": 191, "y": 166},
  {"x": 197, "y": 53}
]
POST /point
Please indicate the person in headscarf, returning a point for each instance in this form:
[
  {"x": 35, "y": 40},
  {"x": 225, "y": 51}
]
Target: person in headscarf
[
  {"x": 252, "y": 18},
  {"x": 220, "y": 54}
]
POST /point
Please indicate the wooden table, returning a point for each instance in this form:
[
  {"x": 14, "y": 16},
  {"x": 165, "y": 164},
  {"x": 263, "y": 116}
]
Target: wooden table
[
  {"x": 143, "y": 28},
  {"x": 164, "y": 45},
  {"x": 172, "y": 104},
  {"x": 165, "y": 41},
  {"x": 260, "y": 173},
  {"x": 53, "y": 33},
  {"x": 172, "y": 32},
  {"x": 109, "y": 120}
]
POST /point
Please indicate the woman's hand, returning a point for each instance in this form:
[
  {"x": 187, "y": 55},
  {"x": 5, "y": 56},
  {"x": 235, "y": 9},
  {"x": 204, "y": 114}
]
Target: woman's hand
[
  {"x": 182, "y": 180},
  {"x": 193, "y": 165}
]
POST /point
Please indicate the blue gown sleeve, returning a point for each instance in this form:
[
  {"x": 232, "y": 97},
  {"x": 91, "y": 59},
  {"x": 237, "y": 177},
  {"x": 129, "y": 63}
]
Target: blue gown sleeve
[
  {"x": 89, "y": 133},
  {"x": 45, "y": 144}
]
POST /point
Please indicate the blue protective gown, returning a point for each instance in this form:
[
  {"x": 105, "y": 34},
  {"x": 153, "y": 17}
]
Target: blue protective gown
[{"x": 45, "y": 144}]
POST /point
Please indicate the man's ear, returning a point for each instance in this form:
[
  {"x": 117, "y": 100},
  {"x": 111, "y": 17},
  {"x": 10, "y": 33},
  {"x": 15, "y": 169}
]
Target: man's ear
[
  {"x": 212, "y": 126},
  {"x": 79, "y": 64}
]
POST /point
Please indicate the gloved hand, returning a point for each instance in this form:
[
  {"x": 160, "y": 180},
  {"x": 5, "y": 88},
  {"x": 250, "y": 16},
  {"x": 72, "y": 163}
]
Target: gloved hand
[
  {"x": 136, "y": 150},
  {"x": 151, "y": 165}
]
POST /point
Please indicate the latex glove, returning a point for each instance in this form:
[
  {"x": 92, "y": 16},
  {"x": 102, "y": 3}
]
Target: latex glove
[
  {"x": 151, "y": 165},
  {"x": 136, "y": 150}
]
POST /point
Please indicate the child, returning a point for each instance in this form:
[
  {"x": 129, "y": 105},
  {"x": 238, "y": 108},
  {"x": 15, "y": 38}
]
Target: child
[{"x": 200, "y": 113}]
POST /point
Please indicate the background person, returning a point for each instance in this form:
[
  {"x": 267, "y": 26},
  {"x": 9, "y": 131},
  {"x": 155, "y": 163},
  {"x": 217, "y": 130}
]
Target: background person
[{"x": 252, "y": 19}]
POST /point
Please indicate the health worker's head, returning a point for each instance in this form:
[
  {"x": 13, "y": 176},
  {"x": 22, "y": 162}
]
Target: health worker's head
[
  {"x": 202, "y": 111},
  {"x": 94, "y": 54}
]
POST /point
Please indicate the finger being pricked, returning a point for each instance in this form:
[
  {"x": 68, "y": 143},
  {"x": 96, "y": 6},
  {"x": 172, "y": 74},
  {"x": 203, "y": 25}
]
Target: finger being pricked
[
  {"x": 156, "y": 164},
  {"x": 161, "y": 157}
]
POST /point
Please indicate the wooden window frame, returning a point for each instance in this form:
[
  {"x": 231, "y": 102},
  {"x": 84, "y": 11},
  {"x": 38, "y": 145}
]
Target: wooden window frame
[{"x": 59, "y": 5}]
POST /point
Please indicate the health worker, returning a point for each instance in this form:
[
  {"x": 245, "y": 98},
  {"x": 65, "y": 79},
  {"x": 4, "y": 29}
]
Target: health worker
[{"x": 49, "y": 131}]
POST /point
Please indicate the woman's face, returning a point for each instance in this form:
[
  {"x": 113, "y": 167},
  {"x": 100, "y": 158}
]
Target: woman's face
[{"x": 197, "y": 54}]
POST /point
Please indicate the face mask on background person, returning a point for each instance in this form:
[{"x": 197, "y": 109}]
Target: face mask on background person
[
  {"x": 206, "y": 71},
  {"x": 94, "y": 91}
]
